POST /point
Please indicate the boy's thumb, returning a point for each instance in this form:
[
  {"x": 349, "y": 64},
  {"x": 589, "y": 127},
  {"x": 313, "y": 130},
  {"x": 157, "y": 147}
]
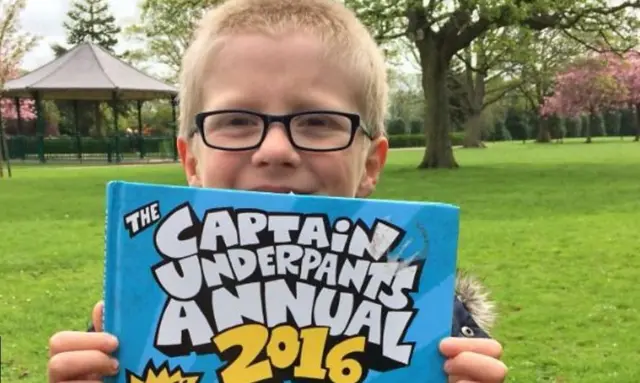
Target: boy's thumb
[{"x": 96, "y": 316}]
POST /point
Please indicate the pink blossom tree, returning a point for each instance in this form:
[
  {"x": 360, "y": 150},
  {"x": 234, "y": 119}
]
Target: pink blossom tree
[
  {"x": 8, "y": 106},
  {"x": 589, "y": 85},
  {"x": 13, "y": 45},
  {"x": 627, "y": 70}
]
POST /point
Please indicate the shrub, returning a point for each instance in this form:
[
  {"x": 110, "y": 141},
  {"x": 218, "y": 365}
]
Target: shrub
[
  {"x": 500, "y": 132},
  {"x": 574, "y": 127},
  {"x": 457, "y": 138},
  {"x": 407, "y": 141},
  {"x": 517, "y": 123},
  {"x": 419, "y": 140},
  {"x": 628, "y": 122},
  {"x": 557, "y": 127},
  {"x": 396, "y": 126},
  {"x": 597, "y": 125},
  {"x": 416, "y": 126},
  {"x": 23, "y": 146},
  {"x": 613, "y": 121}
]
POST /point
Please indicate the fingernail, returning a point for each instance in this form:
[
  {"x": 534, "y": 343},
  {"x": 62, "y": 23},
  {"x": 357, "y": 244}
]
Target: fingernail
[
  {"x": 447, "y": 366},
  {"x": 115, "y": 365},
  {"x": 113, "y": 341}
]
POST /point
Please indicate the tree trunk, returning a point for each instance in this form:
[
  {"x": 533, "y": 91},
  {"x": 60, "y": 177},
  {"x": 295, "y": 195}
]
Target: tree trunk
[
  {"x": 637, "y": 123},
  {"x": 544, "y": 136},
  {"x": 475, "y": 93},
  {"x": 473, "y": 132},
  {"x": 435, "y": 66},
  {"x": 1, "y": 163},
  {"x": 2, "y": 121},
  {"x": 587, "y": 131},
  {"x": 4, "y": 151}
]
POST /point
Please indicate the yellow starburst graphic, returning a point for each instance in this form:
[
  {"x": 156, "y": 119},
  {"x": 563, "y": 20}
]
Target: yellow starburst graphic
[{"x": 162, "y": 374}]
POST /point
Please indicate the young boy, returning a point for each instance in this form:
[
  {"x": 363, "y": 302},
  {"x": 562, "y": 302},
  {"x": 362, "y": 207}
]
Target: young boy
[{"x": 286, "y": 96}]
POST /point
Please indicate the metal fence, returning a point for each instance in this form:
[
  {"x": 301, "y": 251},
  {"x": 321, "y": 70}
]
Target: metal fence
[
  {"x": 129, "y": 148},
  {"x": 110, "y": 149}
]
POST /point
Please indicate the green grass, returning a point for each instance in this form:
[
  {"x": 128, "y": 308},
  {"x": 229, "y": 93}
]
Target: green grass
[{"x": 552, "y": 230}]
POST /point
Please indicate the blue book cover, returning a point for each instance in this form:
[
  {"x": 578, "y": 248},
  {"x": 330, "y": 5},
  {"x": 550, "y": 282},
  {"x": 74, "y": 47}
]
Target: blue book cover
[{"x": 211, "y": 285}]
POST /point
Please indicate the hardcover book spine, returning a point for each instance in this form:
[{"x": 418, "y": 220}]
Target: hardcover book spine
[{"x": 113, "y": 202}]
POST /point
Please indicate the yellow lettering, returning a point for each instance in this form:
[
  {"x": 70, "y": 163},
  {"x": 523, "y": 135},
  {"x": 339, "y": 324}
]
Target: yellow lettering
[
  {"x": 341, "y": 368},
  {"x": 252, "y": 339},
  {"x": 284, "y": 345},
  {"x": 314, "y": 341}
]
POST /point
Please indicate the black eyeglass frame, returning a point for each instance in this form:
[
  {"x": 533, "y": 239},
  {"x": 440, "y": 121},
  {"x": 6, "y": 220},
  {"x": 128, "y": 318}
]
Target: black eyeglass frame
[{"x": 285, "y": 119}]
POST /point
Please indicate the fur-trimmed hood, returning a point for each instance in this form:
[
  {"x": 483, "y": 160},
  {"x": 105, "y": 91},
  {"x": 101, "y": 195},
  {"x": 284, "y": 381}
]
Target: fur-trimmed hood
[{"x": 475, "y": 299}]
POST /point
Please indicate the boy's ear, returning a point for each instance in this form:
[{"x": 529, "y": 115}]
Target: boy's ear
[
  {"x": 189, "y": 161},
  {"x": 374, "y": 163}
]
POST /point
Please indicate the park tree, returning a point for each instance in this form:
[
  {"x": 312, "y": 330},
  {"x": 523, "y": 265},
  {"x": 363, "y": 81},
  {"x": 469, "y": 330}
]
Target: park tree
[
  {"x": 165, "y": 28},
  {"x": 405, "y": 98},
  {"x": 589, "y": 86},
  {"x": 405, "y": 81},
  {"x": 549, "y": 51},
  {"x": 517, "y": 124},
  {"x": 441, "y": 29},
  {"x": 9, "y": 109},
  {"x": 14, "y": 44},
  {"x": 627, "y": 70},
  {"x": 487, "y": 62},
  {"x": 90, "y": 21}
]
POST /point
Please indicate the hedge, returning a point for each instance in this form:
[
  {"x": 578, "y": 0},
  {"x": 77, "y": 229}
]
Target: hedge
[
  {"x": 24, "y": 146},
  {"x": 419, "y": 140},
  {"x": 21, "y": 147}
]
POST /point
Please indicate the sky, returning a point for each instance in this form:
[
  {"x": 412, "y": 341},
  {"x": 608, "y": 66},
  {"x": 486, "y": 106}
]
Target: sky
[{"x": 44, "y": 18}]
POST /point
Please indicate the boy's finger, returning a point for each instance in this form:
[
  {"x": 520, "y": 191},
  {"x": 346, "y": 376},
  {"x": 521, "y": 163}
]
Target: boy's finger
[
  {"x": 457, "y": 379},
  {"x": 96, "y": 316},
  {"x": 476, "y": 367},
  {"x": 74, "y": 365},
  {"x": 450, "y": 347},
  {"x": 66, "y": 341},
  {"x": 91, "y": 380},
  {"x": 83, "y": 381}
]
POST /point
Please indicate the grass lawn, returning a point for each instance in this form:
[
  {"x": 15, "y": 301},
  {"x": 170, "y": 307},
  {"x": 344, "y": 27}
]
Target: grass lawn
[{"x": 554, "y": 231}]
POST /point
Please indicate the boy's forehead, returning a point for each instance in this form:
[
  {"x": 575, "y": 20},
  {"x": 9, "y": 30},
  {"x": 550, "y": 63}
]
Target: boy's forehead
[
  {"x": 288, "y": 43},
  {"x": 292, "y": 69}
]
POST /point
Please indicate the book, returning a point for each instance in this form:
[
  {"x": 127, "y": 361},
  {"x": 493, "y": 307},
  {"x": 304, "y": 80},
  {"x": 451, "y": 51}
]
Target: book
[{"x": 213, "y": 285}]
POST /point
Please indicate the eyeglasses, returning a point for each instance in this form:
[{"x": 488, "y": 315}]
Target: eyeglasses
[{"x": 319, "y": 131}]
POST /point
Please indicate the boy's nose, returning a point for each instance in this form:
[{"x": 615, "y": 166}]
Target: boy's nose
[{"x": 276, "y": 149}]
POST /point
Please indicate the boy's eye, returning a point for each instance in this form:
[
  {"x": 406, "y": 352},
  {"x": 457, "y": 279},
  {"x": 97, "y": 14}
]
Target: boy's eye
[
  {"x": 315, "y": 121},
  {"x": 333, "y": 122},
  {"x": 239, "y": 121},
  {"x": 232, "y": 120}
]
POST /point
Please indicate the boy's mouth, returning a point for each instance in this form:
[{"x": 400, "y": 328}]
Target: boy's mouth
[{"x": 280, "y": 190}]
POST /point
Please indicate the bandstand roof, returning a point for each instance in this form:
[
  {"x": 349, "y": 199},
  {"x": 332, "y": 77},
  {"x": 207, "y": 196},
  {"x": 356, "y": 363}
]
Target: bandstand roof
[{"x": 88, "y": 72}]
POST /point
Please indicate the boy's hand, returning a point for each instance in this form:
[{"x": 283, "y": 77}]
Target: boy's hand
[
  {"x": 82, "y": 356},
  {"x": 473, "y": 360}
]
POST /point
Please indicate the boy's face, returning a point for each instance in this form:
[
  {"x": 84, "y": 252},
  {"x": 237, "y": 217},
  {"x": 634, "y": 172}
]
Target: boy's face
[{"x": 280, "y": 76}]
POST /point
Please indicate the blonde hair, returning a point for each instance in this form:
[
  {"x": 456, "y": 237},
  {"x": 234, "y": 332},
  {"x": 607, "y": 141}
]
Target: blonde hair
[{"x": 346, "y": 39}]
